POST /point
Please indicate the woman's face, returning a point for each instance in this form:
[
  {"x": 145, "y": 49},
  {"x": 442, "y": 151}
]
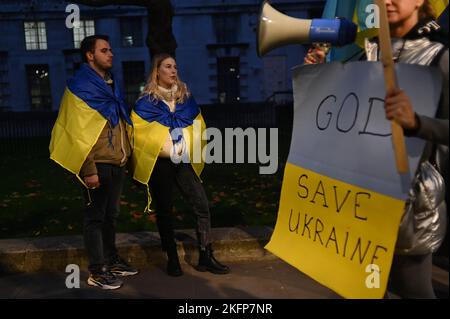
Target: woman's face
[
  {"x": 401, "y": 11},
  {"x": 167, "y": 73}
]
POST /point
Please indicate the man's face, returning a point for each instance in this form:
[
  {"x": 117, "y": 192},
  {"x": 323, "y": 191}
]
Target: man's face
[{"x": 102, "y": 56}]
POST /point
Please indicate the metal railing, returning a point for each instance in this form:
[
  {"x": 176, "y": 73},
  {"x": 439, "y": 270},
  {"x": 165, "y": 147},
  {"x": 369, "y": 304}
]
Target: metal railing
[{"x": 29, "y": 131}]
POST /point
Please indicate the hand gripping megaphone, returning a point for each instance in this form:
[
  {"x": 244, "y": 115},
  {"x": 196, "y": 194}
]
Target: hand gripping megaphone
[{"x": 276, "y": 29}]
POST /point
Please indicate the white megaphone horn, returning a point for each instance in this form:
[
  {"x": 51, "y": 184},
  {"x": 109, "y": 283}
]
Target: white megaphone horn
[{"x": 276, "y": 29}]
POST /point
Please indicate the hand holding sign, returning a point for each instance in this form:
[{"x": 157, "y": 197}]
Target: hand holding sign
[{"x": 399, "y": 109}]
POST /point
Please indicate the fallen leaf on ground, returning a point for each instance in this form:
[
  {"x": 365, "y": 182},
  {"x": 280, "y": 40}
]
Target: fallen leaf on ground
[
  {"x": 32, "y": 184},
  {"x": 216, "y": 199},
  {"x": 152, "y": 218},
  {"x": 136, "y": 214}
]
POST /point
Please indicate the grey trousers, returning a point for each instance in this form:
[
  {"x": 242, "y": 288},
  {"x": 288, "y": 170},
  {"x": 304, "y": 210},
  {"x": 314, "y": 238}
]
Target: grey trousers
[
  {"x": 411, "y": 277},
  {"x": 165, "y": 176}
]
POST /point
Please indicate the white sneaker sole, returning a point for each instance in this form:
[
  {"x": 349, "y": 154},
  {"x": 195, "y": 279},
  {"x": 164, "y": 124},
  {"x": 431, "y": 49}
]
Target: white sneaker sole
[
  {"x": 92, "y": 282},
  {"x": 124, "y": 273}
]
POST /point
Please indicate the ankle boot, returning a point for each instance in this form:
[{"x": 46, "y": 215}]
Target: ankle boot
[
  {"x": 207, "y": 262},
  {"x": 173, "y": 264}
]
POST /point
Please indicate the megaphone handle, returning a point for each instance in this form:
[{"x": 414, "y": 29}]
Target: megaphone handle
[{"x": 390, "y": 79}]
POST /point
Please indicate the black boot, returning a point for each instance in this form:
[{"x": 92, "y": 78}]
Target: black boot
[
  {"x": 207, "y": 262},
  {"x": 173, "y": 263},
  {"x": 168, "y": 244}
]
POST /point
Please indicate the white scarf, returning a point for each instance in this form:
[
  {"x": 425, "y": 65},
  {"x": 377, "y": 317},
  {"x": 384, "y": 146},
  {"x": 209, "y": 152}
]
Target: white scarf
[{"x": 168, "y": 94}]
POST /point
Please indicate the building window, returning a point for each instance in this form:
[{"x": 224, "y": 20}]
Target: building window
[
  {"x": 275, "y": 77},
  {"x": 134, "y": 79},
  {"x": 35, "y": 35},
  {"x": 226, "y": 28},
  {"x": 131, "y": 32},
  {"x": 4, "y": 83},
  {"x": 39, "y": 87},
  {"x": 87, "y": 28},
  {"x": 72, "y": 60},
  {"x": 228, "y": 87}
]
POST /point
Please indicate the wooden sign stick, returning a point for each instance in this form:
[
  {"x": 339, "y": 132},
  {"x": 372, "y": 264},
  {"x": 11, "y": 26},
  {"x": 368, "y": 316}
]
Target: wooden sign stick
[{"x": 390, "y": 79}]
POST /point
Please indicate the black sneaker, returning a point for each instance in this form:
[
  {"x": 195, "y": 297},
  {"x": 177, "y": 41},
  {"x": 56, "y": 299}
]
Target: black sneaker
[
  {"x": 120, "y": 267},
  {"x": 104, "y": 280}
]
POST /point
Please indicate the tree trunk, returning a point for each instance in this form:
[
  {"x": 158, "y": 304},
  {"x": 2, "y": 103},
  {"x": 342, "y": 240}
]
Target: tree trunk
[{"x": 160, "y": 38}]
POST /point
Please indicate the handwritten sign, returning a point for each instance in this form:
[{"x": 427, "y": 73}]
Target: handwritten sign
[{"x": 342, "y": 199}]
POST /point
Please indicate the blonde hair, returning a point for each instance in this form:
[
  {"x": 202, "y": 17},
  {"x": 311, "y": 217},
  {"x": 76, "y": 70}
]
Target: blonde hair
[
  {"x": 151, "y": 87},
  {"x": 426, "y": 11}
]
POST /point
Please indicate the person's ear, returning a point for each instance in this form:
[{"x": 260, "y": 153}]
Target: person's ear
[{"x": 90, "y": 56}]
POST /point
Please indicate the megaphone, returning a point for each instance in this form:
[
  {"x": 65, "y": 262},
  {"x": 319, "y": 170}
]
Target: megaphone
[{"x": 276, "y": 29}]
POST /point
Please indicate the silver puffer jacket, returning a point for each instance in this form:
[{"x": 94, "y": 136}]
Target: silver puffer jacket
[{"x": 424, "y": 222}]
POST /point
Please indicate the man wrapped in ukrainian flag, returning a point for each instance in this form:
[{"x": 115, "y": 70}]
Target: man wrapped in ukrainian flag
[{"x": 89, "y": 139}]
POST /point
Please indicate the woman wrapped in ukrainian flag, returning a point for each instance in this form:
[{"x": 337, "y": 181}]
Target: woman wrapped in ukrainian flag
[{"x": 164, "y": 118}]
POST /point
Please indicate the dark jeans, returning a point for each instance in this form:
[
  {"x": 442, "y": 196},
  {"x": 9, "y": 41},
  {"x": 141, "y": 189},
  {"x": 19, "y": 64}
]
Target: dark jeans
[
  {"x": 100, "y": 216},
  {"x": 164, "y": 177}
]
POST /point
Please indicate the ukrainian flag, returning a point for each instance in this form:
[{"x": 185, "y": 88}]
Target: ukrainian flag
[
  {"x": 355, "y": 10},
  {"x": 439, "y": 7},
  {"x": 152, "y": 122},
  {"x": 87, "y": 105}
]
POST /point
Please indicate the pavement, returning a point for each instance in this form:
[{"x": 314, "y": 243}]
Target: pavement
[
  {"x": 36, "y": 268},
  {"x": 247, "y": 280}
]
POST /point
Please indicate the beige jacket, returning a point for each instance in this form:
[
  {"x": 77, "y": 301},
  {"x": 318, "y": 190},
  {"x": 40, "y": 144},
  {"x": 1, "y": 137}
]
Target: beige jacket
[{"x": 112, "y": 147}]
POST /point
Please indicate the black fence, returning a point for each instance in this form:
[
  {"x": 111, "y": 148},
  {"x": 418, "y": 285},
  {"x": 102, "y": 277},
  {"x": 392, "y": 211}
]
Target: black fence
[
  {"x": 29, "y": 132},
  {"x": 26, "y": 124}
]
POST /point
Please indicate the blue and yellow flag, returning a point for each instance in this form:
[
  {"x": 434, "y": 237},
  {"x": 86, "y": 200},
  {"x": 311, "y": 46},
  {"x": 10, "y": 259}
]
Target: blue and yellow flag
[
  {"x": 87, "y": 105},
  {"x": 152, "y": 122},
  {"x": 439, "y": 7},
  {"x": 361, "y": 12}
]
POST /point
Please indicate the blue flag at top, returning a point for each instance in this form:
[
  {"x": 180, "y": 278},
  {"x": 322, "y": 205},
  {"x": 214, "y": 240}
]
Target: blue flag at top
[{"x": 356, "y": 11}]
